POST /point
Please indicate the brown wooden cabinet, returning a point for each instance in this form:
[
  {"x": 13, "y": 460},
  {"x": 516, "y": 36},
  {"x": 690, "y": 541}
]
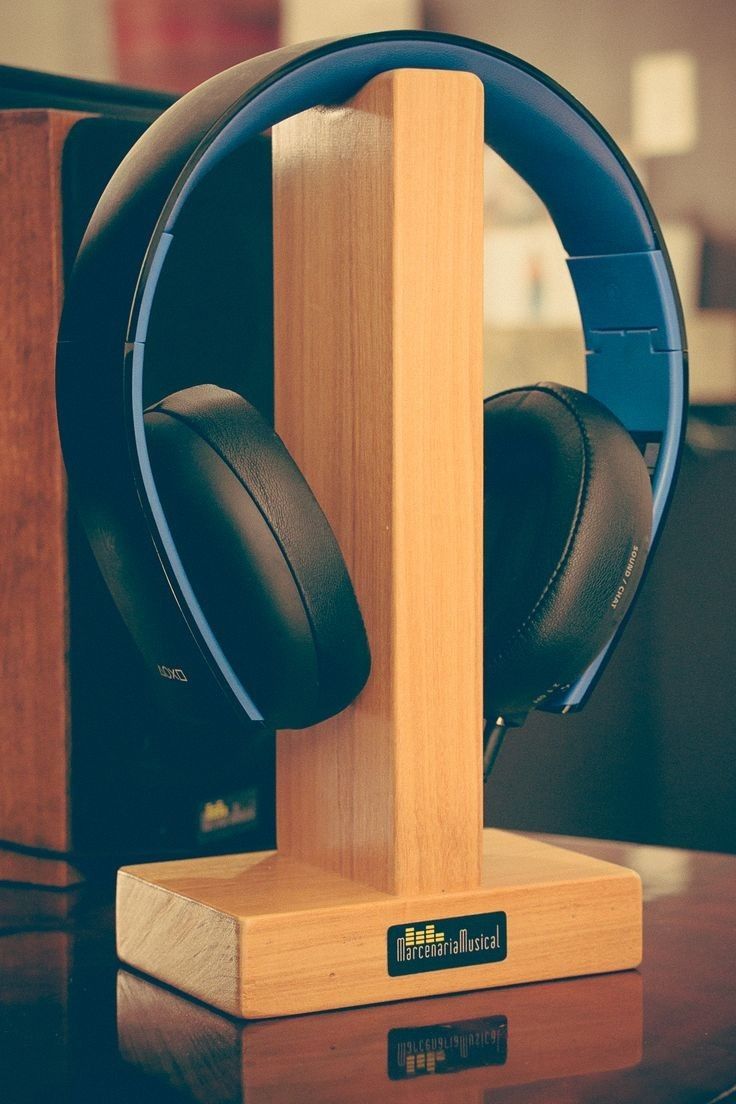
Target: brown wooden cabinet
[{"x": 92, "y": 771}]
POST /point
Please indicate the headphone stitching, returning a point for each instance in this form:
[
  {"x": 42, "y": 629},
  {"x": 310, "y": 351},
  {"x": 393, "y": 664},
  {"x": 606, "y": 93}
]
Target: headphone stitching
[
  {"x": 277, "y": 537},
  {"x": 579, "y": 511}
]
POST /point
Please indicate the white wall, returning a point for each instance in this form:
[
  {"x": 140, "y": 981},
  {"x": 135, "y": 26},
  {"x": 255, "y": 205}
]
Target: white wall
[{"x": 72, "y": 37}]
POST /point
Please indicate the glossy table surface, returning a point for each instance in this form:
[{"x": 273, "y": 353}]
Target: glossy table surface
[{"x": 73, "y": 1026}]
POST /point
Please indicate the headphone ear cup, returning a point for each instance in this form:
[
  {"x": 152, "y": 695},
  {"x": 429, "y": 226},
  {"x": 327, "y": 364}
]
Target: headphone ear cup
[
  {"x": 260, "y": 555},
  {"x": 567, "y": 527}
]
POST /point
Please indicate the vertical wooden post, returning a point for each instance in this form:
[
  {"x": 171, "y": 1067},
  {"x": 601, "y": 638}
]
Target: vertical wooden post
[{"x": 378, "y": 214}]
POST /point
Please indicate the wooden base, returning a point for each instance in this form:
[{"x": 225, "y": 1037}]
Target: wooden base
[{"x": 264, "y": 935}]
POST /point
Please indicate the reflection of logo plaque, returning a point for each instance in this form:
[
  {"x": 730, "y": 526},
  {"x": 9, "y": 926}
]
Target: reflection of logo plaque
[
  {"x": 446, "y": 944},
  {"x": 447, "y": 1047}
]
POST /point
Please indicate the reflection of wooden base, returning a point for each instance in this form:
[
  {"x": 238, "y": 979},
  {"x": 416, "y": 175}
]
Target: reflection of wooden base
[
  {"x": 262, "y": 935},
  {"x": 32, "y": 870},
  {"x": 35, "y": 891},
  {"x": 484, "y": 1040}
]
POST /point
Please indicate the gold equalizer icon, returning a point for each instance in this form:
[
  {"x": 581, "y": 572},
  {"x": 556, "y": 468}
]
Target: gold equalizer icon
[
  {"x": 424, "y": 1063},
  {"x": 417, "y": 937}
]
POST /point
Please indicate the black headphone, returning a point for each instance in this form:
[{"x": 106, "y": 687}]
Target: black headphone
[{"x": 214, "y": 548}]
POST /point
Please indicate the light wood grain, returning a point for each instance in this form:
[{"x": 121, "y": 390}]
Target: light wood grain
[
  {"x": 565, "y": 1030},
  {"x": 310, "y": 940},
  {"x": 378, "y": 321},
  {"x": 34, "y": 692},
  {"x": 184, "y": 937}
]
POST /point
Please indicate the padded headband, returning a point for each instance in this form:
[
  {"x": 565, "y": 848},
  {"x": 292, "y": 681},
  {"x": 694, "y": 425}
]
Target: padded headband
[{"x": 630, "y": 310}]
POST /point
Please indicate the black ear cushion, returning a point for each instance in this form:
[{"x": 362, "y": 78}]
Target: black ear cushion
[
  {"x": 567, "y": 526},
  {"x": 260, "y": 554}
]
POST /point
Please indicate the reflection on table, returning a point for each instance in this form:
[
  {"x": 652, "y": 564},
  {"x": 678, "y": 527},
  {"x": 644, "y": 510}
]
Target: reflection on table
[{"x": 440, "y": 1049}]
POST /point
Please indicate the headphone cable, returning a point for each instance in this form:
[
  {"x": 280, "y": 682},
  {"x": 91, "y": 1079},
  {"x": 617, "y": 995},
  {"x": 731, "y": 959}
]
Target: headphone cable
[{"x": 492, "y": 743}]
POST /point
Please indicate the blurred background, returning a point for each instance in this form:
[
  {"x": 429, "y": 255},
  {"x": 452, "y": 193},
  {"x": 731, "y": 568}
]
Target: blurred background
[{"x": 652, "y": 757}]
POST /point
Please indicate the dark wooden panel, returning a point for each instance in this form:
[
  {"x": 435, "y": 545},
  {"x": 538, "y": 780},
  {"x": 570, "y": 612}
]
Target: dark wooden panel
[
  {"x": 34, "y": 705},
  {"x": 88, "y": 763}
]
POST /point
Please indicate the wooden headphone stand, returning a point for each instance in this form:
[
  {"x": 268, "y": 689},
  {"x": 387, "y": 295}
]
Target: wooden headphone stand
[{"x": 384, "y": 885}]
